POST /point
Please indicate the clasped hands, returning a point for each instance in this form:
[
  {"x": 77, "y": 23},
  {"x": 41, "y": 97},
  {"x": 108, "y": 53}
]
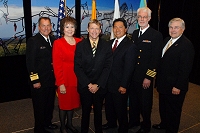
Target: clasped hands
[
  {"x": 122, "y": 90},
  {"x": 176, "y": 91},
  {"x": 93, "y": 88}
]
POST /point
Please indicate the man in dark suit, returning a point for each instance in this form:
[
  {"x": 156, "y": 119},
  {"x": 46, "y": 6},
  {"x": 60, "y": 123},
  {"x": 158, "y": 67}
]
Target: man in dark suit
[
  {"x": 39, "y": 65},
  {"x": 92, "y": 64},
  {"x": 148, "y": 42},
  {"x": 173, "y": 76},
  {"x": 124, "y": 57}
]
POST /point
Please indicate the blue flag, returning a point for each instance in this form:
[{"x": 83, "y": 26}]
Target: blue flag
[
  {"x": 61, "y": 15},
  {"x": 143, "y": 3}
]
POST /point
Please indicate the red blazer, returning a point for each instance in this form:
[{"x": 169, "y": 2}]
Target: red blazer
[{"x": 63, "y": 62}]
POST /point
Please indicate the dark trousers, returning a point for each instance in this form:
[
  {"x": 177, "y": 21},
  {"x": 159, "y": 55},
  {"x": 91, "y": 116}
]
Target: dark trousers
[
  {"x": 43, "y": 105},
  {"x": 89, "y": 99},
  {"x": 116, "y": 109},
  {"x": 170, "y": 108},
  {"x": 140, "y": 102}
]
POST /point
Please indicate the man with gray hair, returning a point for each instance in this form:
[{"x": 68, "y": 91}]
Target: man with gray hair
[
  {"x": 173, "y": 76},
  {"x": 148, "y": 42}
]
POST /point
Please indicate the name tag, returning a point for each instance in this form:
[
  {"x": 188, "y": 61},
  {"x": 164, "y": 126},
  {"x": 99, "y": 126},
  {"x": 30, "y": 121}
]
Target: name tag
[{"x": 147, "y": 41}]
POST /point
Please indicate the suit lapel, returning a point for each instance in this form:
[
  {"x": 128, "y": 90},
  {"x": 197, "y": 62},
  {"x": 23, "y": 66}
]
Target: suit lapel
[
  {"x": 120, "y": 46},
  {"x": 44, "y": 42},
  {"x": 52, "y": 39},
  {"x": 88, "y": 47},
  {"x": 174, "y": 45},
  {"x": 135, "y": 36},
  {"x": 144, "y": 35},
  {"x": 99, "y": 47}
]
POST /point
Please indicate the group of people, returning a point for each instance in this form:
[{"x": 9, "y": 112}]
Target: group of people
[{"x": 88, "y": 71}]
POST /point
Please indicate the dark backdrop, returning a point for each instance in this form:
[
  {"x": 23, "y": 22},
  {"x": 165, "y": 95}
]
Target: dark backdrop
[
  {"x": 188, "y": 10},
  {"x": 13, "y": 78},
  {"x": 13, "y": 74}
]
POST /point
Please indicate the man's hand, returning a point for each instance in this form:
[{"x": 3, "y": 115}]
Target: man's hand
[
  {"x": 37, "y": 85},
  {"x": 146, "y": 83},
  {"x": 122, "y": 90},
  {"x": 93, "y": 88},
  {"x": 175, "y": 91}
]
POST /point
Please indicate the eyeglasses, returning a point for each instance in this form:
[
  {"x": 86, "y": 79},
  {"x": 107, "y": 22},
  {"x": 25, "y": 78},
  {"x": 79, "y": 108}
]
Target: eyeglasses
[
  {"x": 140, "y": 17},
  {"x": 174, "y": 28}
]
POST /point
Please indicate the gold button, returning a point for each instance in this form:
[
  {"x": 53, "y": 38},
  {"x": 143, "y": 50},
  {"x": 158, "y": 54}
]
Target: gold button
[
  {"x": 138, "y": 56},
  {"x": 140, "y": 50},
  {"x": 138, "y": 63}
]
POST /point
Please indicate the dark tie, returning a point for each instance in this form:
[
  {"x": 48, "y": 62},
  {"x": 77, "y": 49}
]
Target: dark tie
[
  {"x": 48, "y": 41},
  {"x": 93, "y": 49},
  {"x": 140, "y": 33},
  {"x": 115, "y": 45}
]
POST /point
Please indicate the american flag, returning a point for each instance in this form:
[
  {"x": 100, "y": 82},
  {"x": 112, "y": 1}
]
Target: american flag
[{"x": 61, "y": 14}]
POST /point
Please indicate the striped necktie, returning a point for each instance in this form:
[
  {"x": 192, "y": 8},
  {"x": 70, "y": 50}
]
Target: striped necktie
[
  {"x": 168, "y": 45},
  {"x": 93, "y": 49},
  {"x": 115, "y": 45}
]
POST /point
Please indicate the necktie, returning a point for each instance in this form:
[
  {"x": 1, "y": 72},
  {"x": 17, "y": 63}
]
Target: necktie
[
  {"x": 93, "y": 49},
  {"x": 168, "y": 45},
  {"x": 48, "y": 41},
  {"x": 115, "y": 45},
  {"x": 140, "y": 33}
]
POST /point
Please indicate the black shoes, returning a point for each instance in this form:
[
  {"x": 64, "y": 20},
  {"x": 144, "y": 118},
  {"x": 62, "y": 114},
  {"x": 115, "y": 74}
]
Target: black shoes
[
  {"x": 141, "y": 130},
  {"x": 52, "y": 126},
  {"x": 63, "y": 130},
  {"x": 45, "y": 131},
  {"x": 131, "y": 126},
  {"x": 158, "y": 126},
  {"x": 72, "y": 129},
  {"x": 106, "y": 126}
]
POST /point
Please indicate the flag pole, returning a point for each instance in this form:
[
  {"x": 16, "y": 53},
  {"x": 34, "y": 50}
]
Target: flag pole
[{"x": 66, "y": 13}]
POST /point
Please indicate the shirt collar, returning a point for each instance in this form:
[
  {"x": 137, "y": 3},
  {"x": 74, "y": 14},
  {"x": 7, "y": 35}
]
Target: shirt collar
[
  {"x": 120, "y": 39},
  {"x": 175, "y": 39},
  {"x": 96, "y": 41},
  {"x": 45, "y": 37},
  {"x": 144, "y": 29}
]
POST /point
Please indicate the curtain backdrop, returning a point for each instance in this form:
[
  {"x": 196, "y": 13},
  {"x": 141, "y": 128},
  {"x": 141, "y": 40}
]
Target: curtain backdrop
[{"x": 188, "y": 10}]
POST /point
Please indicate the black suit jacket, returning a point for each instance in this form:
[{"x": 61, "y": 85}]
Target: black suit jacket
[
  {"x": 124, "y": 58},
  {"x": 39, "y": 60},
  {"x": 148, "y": 54},
  {"x": 175, "y": 66},
  {"x": 89, "y": 69}
]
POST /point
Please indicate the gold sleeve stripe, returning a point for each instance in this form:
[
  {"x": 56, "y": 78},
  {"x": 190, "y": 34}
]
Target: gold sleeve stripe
[
  {"x": 34, "y": 77},
  {"x": 151, "y": 73}
]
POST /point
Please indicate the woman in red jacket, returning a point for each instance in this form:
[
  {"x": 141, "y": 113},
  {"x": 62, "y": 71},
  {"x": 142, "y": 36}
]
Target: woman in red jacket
[{"x": 63, "y": 64}]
